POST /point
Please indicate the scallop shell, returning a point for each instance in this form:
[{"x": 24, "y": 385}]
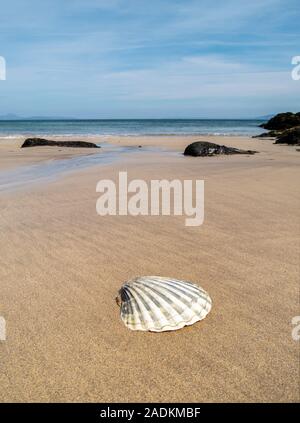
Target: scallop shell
[{"x": 154, "y": 303}]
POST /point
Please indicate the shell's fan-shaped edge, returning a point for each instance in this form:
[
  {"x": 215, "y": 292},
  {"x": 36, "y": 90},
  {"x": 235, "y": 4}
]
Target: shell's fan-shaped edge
[{"x": 158, "y": 304}]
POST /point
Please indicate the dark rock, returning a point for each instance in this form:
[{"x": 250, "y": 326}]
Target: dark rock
[
  {"x": 204, "y": 148},
  {"x": 290, "y": 136},
  {"x": 270, "y": 134},
  {"x": 282, "y": 121},
  {"x": 38, "y": 142}
]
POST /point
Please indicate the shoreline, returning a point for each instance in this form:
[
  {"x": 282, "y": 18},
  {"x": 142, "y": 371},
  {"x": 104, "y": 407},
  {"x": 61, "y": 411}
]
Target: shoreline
[
  {"x": 34, "y": 165},
  {"x": 14, "y": 159}
]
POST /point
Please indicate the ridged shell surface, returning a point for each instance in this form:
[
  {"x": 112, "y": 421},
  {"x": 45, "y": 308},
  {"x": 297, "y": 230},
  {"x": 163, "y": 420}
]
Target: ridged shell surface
[{"x": 154, "y": 303}]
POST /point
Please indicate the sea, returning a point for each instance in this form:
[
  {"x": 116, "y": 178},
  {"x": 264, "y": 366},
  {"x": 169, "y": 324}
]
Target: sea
[{"x": 129, "y": 127}]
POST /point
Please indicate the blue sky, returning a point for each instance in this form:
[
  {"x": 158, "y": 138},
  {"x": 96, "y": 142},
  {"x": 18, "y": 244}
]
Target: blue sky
[{"x": 149, "y": 58}]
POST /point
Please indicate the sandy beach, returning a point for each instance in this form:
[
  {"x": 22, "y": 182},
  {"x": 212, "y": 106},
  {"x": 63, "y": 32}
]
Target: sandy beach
[{"x": 61, "y": 266}]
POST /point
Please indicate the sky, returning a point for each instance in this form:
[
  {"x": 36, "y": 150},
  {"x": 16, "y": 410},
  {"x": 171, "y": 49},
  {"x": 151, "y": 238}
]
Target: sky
[{"x": 149, "y": 58}]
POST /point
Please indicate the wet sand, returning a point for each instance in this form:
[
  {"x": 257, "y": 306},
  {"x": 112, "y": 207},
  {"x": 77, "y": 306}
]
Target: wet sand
[{"x": 61, "y": 266}]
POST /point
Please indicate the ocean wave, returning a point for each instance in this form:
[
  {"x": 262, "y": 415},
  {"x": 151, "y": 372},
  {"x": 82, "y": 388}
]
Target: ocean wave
[
  {"x": 133, "y": 134},
  {"x": 129, "y": 128}
]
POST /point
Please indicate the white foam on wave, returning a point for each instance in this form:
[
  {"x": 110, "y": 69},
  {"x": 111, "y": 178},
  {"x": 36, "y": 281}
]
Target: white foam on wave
[
  {"x": 128, "y": 134},
  {"x": 10, "y": 137}
]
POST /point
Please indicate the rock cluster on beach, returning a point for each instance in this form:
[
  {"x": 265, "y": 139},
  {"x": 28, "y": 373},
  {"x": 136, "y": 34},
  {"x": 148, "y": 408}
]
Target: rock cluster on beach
[
  {"x": 270, "y": 134},
  {"x": 285, "y": 127},
  {"x": 38, "y": 142},
  {"x": 289, "y": 136},
  {"x": 205, "y": 148},
  {"x": 282, "y": 121}
]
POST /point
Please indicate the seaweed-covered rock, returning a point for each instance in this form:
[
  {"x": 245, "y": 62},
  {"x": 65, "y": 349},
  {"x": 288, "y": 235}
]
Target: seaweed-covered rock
[
  {"x": 38, "y": 142},
  {"x": 282, "y": 121},
  {"x": 205, "y": 148},
  {"x": 270, "y": 134},
  {"x": 290, "y": 136}
]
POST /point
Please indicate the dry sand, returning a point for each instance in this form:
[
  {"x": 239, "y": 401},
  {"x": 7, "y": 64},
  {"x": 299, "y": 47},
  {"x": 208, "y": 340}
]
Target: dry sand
[{"x": 61, "y": 266}]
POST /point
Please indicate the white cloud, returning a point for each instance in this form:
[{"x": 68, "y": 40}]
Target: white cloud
[{"x": 196, "y": 78}]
